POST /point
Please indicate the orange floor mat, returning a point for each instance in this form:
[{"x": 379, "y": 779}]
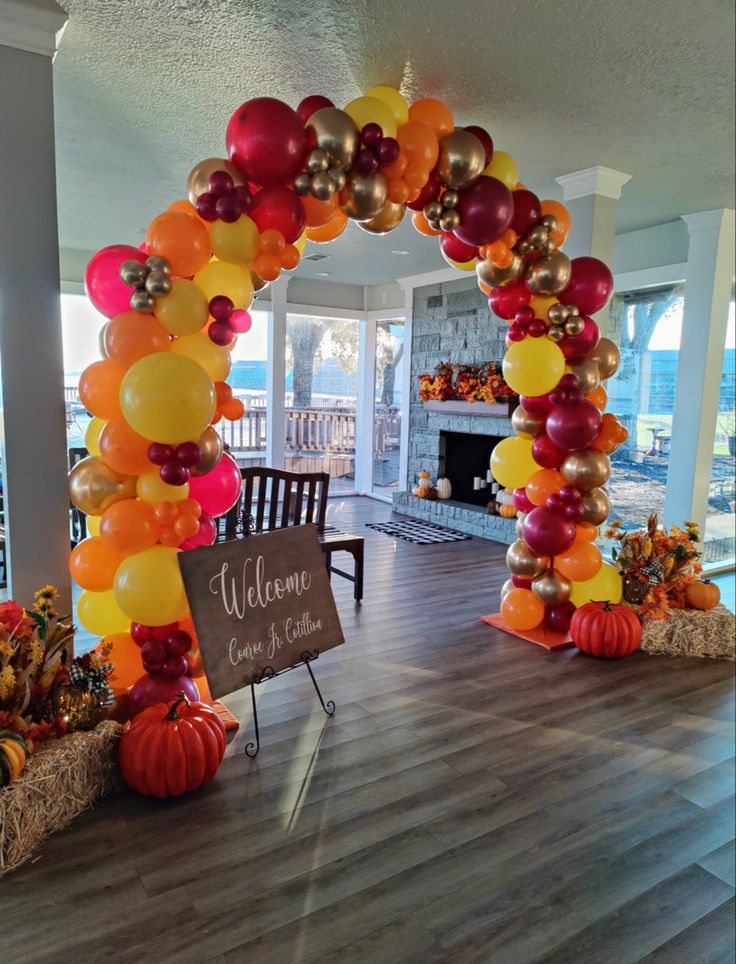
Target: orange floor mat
[{"x": 540, "y": 637}]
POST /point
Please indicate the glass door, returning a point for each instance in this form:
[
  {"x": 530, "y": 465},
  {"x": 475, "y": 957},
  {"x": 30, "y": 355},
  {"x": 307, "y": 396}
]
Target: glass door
[{"x": 387, "y": 406}]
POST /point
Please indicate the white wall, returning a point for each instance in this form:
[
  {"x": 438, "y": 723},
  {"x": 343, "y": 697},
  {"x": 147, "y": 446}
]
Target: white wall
[{"x": 653, "y": 247}]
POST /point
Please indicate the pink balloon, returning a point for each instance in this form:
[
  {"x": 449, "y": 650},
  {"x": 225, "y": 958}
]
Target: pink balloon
[
  {"x": 102, "y": 278},
  {"x": 574, "y": 425},
  {"x": 586, "y": 341},
  {"x": 521, "y": 583},
  {"x": 521, "y": 501},
  {"x": 204, "y": 537},
  {"x": 547, "y": 533},
  {"x": 486, "y": 209},
  {"x": 150, "y": 690},
  {"x": 590, "y": 286},
  {"x": 218, "y": 490}
]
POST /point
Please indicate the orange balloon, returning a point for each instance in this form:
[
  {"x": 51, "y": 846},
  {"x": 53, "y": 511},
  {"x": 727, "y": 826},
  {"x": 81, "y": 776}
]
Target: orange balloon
[
  {"x": 419, "y": 145},
  {"x": 433, "y": 113},
  {"x": 398, "y": 191},
  {"x": 543, "y": 484},
  {"x": 190, "y": 507},
  {"x": 125, "y": 657},
  {"x": 267, "y": 266},
  {"x": 186, "y": 207},
  {"x": 167, "y": 512},
  {"x": 599, "y": 397},
  {"x": 271, "y": 241},
  {"x": 186, "y": 526},
  {"x": 611, "y": 435},
  {"x": 586, "y": 532},
  {"x": 318, "y": 212},
  {"x": 397, "y": 169},
  {"x": 170, "y": 537},
  {"x": 422, "y": 225},
  {"x": 233, "y": 410},
  {"x": 182, "y": 240},
  {"x": 522, "y": 610},
  {"x": 99, "y": 388},
  {"x": 124, "y": 450},
  {"x": 93, "y": 564},
  {"x": 330, "y": 230},
  {"x": 223, "y": 392},
  {"x": 289, "y": 258},
  {"x": 563, "y": 219},
  {"x": 581, "y": 562},
  {"x": 486, "y": 289},
  {"x": 129, "y": 526},
  {"x": 131, "y": 335}
]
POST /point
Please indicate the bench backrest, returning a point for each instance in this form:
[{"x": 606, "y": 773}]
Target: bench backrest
[{"x": 275, "y": 499}]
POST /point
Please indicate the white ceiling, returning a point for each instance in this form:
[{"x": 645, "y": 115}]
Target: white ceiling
[{"x": 144, "y": 89}]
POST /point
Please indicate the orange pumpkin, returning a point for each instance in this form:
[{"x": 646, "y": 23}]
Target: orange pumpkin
[
  {"x": 507, "y": 511},
  {"x": 703, "y": 594}
]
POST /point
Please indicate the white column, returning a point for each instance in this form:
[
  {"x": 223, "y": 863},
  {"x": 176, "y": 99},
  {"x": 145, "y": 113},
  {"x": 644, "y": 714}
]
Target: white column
[
  {"x": 276, "y": 376},
  {"x": 406, "y": 390},
  {"x": 592, "y": 196},
  {"x": 34, "y": 456},
  {"x": 710, "y": 269},
  {"x": 364, "y": 407}
]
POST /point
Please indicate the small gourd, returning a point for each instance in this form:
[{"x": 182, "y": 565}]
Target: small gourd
[
  {"x": 444, "y": 488},
  {"x": 13, "y": 753},
  {"x": 507, "y": 511},
  {"x": 703, "y": 594}
]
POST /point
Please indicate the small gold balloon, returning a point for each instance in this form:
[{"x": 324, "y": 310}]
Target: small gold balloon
[
  {"x": 546, "y": 247},
  {"x": 158, "y": 283},
  {"x": 362, "y": 197},
  {"x": 490, "y": 274},
  {"x": 524, "y": 247},
  {"x": 538, "y": 235},
  {"x": 607, "y": 356},
  {"x": 573, "y": 309},
  {"x": 334, "y": 132},
  {"x": 210, "y": 446},
  {"x": 450, "y": 199},
  {"x": 449, "y": 220},
  {"x": 597, "y": 506},
  {"x": 549, "y": 275},
  {"x": 526, "y": 425},
  {"x": 94, "y": 486},
  {"x": 555, "y": 334},
  {"x": 133, "y": 273},
  {"x": 521, "y": 561},
  {"x": 552, "y": 588},
  {"x": 389, "y": 218},
  {"x": 432, "y": 210},
  {"x": 302, "y": 183},
  {"x": 549, "y": 221},
  {"x": 574, "y": 325},
  {"x": 157, "y": 263},
  {"x": 317, "y": 160},
  {"x": 102, "y": 348},
  {"x": 587, "y": 469},
  {"x": 322, "y": 186},
  {"x": 506, "y": 588},
  {"x": 199, "y": 176},
  {"x": 461, "y": 159},
  {"x": 586, "y": 372},
  {"x": 142, "y": 302},
  {"x": 520, "y": 524},
  {"x": 338, "y": 177},
  {"x": 558, "y": 314}
]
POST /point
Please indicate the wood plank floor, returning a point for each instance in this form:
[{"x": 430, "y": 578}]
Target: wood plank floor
[{"x": 474, "y": 799}]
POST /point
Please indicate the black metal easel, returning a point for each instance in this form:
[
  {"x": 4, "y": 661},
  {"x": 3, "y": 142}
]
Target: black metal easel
[{"x": 252, "y": 748}]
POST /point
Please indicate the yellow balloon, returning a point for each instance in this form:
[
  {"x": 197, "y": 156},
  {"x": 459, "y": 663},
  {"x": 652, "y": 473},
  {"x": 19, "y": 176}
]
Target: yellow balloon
[
  {"x": 393, "y": 100},
  {"x": 93, "y": 525},
  {"x": 542, "y": 305},
  {"x": 301, "y": 242},
  {"x": 503, "y": 167},
  {"x": 215, "y": 359},
  {"x": 92, "y": 435},
  {"x": 219, "y": 278},
  {"x": 235, "y": 242},
  {"x": 151, "y": 489},
  {"x": 605, "y": 585},
  {"x": 463, "y": 265},
  {"x": 100, "y": 614},
  {"x": 371, "y": 110},
  {"x": 184, "y": 309},
  {"x": 149, "y": 588},
  {"x": 533, "y": 366},
  {"x": 167, "y": 397},
  {"x": 512, "y": 463}
]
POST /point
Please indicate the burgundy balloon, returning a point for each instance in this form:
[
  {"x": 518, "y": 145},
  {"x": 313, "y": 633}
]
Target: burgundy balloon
[
  {"x": 371, "y": 134},
  {"x": 366, "y": 163},
  {"x": 140, "y": 633},
  {"x": 188, "y": 454},
  {"x": 521, "y": 583},
  {"x": 178, "y": 643},
  {"x": 221, "y": 307},
  {"x": 539, "y": 405},
  {"x": 484, "y": 137},
  {"x": 586, "y": 341},
  {"x": 554, "y": 502},
  {"x": 574, "y": 425},
  {"x": 221, "y": 333},
  {"x": 245, "y": 196},
  {"x": 527, "y": 211},
  {"x": 536, "y": 328},
  {"x": 570, "y": 493},
  {"x": 547, "y": 533},
  {"x": 174, "y": 667},
  {"x": 220, "y": 182},
  {"x": 505, "y": 302},
  {"x": 280, "y": 209},
  {"x": 546, "y": 453},
  {"x": 516, "y": 332},
  {"x": 150, "y": 690},
  {"x": 206, "y": 206},
  {"x": 430, "y": 192},
  {"x": 590, "y": 286},
  {"x": 486, "y": 208},
  {"x": 558, "y": 617},
  {"x": 266, "y": 141},
  {"x": 521, "y": 501},
  {"x": 159, "y": 452},
  {"x": 161, "y": 633},
  {"x": 174, "y": 473},
  {"x": 575, "y": 512},
  {"x": 228, "y": 208},
  {"x": 455, "y": 249},
  {"x": 153, "y": 654},
  {"x": 311, "y": 105},
  {"x": 387, "y": 151}
]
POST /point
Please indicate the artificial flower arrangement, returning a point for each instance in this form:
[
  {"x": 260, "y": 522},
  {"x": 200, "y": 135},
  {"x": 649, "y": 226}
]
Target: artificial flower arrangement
[
  {"x": 657, "y": 566},
  {"x": 469, "y": 383}
]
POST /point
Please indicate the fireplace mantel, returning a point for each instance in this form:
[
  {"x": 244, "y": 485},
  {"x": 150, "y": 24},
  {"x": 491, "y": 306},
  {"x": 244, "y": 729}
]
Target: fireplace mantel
[{"x": 458, "y": 407}]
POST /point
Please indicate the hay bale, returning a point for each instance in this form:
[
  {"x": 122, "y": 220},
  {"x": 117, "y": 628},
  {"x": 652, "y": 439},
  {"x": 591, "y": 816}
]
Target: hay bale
[
  {"x": 61, "y": 779},
  {"x": 691, "y": 632}
]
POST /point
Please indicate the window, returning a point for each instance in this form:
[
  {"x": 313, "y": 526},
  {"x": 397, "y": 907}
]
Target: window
[
  {"x": 80, "y": 331},
  {"x": 720, "y": 525},
  {"x": 387, "y": 406},
  {"x": 246, "y": 437}
]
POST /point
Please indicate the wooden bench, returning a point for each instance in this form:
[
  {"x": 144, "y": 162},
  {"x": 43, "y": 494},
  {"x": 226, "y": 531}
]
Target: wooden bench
[{"x": 274, "y": 499}]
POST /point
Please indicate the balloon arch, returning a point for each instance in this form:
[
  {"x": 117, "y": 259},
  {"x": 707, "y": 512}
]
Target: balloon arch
[{"x": 157, "y": 478}]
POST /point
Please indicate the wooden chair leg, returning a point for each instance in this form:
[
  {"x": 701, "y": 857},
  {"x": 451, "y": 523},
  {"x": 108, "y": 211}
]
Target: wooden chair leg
[
  {"x": 328, "y": 564},
  {"x": 358, "y": 586}
]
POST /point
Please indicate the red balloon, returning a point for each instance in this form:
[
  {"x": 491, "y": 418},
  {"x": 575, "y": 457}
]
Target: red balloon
[
  {"x": 586, "y": 341},
  {"x": 574, "y": 425},
  {"x": 205, "y": 536},
  {"x": 486, "y": 209},
  {"x": 102, "y": 278},
  {"x": 547, "y": 533},
  {"x": 311, "y": 104},
  {"x": 505, "y": 302},
  {"x": 527, "y": 211},
  {"x": 558, "y": 617},
  {"x": 266, "y": 141},
  {"x": 539, "y": 405},
  {"x": 521, "y": 501},
  {"x": 150, "y": 690},
  {"x": 546, "y": 453},
  {"x": 590, "y": 286},
  {"x": 280, "y": 209},
  {"x": 484, "y": 137},
  {"x": 521, "y": 583},
  {"x": 430, "y": 192},
  {"x": 218, "y": 490},
  {"x": 457, "y": 250}
]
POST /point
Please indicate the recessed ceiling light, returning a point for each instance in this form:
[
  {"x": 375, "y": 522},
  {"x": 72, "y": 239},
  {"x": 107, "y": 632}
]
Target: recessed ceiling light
[
  {"x": 322, "y": 274},
  {"x": 400, "y": 251}
]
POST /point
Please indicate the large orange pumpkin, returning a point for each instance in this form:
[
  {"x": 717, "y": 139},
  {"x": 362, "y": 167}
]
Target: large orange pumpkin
[
  {"x": 703, "y": 594},
  {"x": 603, "y": 629},
  {"x": 171, "y": 750}
]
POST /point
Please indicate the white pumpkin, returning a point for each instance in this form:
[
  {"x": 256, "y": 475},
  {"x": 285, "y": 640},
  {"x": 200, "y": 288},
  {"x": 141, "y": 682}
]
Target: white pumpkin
[{"x": 444, "y": 489}]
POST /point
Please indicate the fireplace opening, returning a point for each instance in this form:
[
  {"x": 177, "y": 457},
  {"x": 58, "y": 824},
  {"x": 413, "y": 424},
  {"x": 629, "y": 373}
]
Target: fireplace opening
[{"x": 465, "y": 460}]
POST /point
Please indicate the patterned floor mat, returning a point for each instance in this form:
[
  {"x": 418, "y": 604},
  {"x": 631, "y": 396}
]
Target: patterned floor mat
[{"x": 419, "y": 532}]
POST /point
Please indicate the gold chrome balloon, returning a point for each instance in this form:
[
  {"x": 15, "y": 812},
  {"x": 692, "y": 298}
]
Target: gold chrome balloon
[
  {"x": 506, "y": 588},
  {"x": 258, "y": 283},
  {"x": 133, "y": 273},
  {"x": 433, "y": 210},
  {"x": 521, "y": 561},
  {"x": 549, "y": 221},
  {"x": 338, "y": 177},
  {"x": 389, "y": 218},
  {"x": 94, "y": 486},
  {"x": 450, "y": 220},
  {"x": 586, "y": 372},
  {"x": 607, "y": 357},
  {"x": 322, "y": 186},
  {"x": 461, "y": 159},
  {"x": 538, "y": 235},
  {"x": 141, "y": 301},
  {"x": 158, "y": 283},
  {"x": 362, "y": 197},
  {"x": 550, "y": 275},
  {"x": 574, "y": 325},
  {"x": 558, "y": 314},
  {"x": 587, "y": 469},
  {"x": 199, "y": 176},
  {"x": 450, "y": 199},
  {"x": 157, "y": 263},
  {"x": 520, "y": 524},
  {"x": 552, "y": 588},
  {"x": 526, "y": 425},
  {"x": 334, "y": 132},
  {"x": 210, "y": 445},
  {"x": 490, "y": 274},
  {"x": 302, "y": 183},
  {"x": 555, "y": 334},
  {"x": 317, "y": 160},
  {"x": 597, "y": 506}
]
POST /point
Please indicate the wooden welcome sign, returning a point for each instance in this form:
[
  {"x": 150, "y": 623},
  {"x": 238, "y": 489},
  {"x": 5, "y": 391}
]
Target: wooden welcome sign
[{"x": 259, "y": 602}]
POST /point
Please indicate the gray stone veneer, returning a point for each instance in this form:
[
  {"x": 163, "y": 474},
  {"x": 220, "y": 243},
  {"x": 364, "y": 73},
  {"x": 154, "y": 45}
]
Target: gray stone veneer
[{"x": 451, "y": 321}]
